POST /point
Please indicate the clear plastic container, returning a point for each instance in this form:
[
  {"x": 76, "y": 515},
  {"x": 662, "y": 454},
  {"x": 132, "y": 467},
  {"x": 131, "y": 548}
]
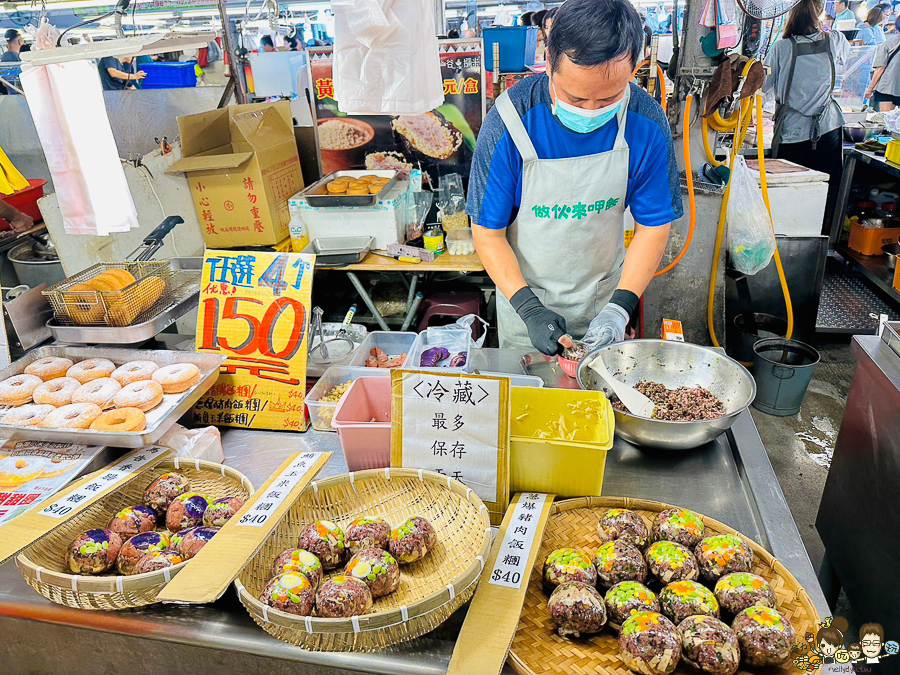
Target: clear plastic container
[
  {"x": 517, "y": 380},
  {"x": 322, "y": 412},
  {"x": 393, "y": 343},
  {"x": 459, "y": 242},
  {"x": 363, "y": 422},
  {"x": 455, "y": 340}
]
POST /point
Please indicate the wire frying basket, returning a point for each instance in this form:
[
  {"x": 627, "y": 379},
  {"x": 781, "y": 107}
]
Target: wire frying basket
[{"x": 154, "y": 289}]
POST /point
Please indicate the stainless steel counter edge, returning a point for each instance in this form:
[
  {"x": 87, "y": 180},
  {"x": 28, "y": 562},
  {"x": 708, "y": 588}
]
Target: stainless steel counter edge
[{"x": 784, "y": 538}]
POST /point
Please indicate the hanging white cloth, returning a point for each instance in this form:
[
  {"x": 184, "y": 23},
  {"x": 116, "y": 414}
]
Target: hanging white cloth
[
  {"x": 66, "y": 103},
  {"x": 386, "y": 57}
]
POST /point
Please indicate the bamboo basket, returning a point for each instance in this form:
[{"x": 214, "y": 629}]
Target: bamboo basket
[
  {"x": 430, "y": 590},
  {"x": 43, "y": 563},
  {"x": 537, "y": 648}
]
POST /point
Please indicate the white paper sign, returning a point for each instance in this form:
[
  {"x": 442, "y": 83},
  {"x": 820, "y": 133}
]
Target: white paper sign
[
  {"x": 278, "y": 491},
  {"x": 451, "y": 425},
  {"x": 509, "y": 568},
  {"x": 127, "y": 466}
]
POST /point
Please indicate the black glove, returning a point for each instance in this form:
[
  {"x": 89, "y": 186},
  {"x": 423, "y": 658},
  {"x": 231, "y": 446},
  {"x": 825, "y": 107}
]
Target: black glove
[{"x": 545, "y": 326}]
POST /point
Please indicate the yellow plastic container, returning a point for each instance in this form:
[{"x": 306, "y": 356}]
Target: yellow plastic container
[
  {"x": 558, "y": 441},
  {"x": 892, "y": 154}
]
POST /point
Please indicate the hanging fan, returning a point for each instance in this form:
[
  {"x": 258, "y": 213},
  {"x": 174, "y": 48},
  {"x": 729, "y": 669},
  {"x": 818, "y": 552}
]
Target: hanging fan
[{"x": 766, "y": 9}]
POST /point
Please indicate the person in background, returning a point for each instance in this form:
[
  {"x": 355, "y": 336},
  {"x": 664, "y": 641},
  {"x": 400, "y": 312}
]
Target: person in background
[
  {"x": 547, "y": 22},
  {"x": 884, "y": 89},
  {"x": 266, "y": 44},
  {"x": 807, "y": 119},
  {"x": 537, "y": 19},
  {"x": 648, "y": 34},
  {"x": 14, "y": 43},
  {"x": 870, "y": 30},
  {"x": 293, "y": 41},
  {"x": 116, "y": 74},
  {"x": 843, "y": 11},
  {"x": 20, "y": 222},
  {"x": 828, "y": 24},
  {"x": 525, "y": 19}
]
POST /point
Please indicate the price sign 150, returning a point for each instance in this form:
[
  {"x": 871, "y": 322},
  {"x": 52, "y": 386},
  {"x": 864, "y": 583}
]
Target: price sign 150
[{"x": 260, "y": 332}]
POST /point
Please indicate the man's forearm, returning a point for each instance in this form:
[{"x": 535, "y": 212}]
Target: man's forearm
[
  {"x": 876, "y": 77},
  {"x": 499, "y": 259},
  {"x": 643, "y": 257},
  {"x": 7, "y": 212},
  {"x": 118, "y": 74}
]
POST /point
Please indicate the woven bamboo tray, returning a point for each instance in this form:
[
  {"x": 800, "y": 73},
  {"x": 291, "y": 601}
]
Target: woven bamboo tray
[
  {"x": 538, "y": 649},
  {"x": 43, "y": 563},
  {"x": 430, "y": 590}
]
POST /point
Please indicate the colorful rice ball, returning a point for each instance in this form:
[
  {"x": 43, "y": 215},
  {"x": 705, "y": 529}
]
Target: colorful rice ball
[
  {"x": 186, "y": 510},
  {"x": 133, "y": 520},
  {"x": 221, "y": 511},
  {"x": 377, "y": 568},
  {"x": 368, "y": 532},
  {"x": 326, "y": 541},
  {"x": 412, "y": 540},
  {"x": 291, "y": 593}
]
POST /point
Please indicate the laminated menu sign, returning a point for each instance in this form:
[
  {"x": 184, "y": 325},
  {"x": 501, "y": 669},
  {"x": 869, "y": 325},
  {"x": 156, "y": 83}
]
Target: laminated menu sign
[
  {"x": 254, "y": 309},
  {"x": 32, "y": 471},
  {"x": 456, "y": 425},
  {"x": 493, "y": 616}
]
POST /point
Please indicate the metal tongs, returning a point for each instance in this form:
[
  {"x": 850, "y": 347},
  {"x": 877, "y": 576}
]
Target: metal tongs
[
  {"x": 154, "y": 241},
  {"x": 317, "y": 329}
]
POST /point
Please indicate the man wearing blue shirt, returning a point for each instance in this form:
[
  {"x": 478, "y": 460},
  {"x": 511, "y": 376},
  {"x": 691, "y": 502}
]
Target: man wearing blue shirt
[
  {"x": 844, "y": 13},
  {"x": 558, "y": 159}
]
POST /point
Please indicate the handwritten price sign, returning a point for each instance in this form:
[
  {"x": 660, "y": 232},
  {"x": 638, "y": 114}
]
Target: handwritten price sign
[{"x": 254, "y": 308}]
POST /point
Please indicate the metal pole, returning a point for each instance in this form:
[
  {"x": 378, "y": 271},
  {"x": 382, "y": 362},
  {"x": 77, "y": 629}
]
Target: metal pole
[
  {"x": 237, "y": 69},
  {"x": 440, "y": 18}
]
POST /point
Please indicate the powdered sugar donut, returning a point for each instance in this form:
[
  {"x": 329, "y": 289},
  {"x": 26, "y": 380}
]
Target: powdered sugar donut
[
  {"x": 56, "y": 392},
  {"x": 72, "y": 416},
  {"x": 177, "y": 377},
  {"x": 28, "y": 415},
  {"x": 91, "y": 369},
  {"x": 134, "y": 371},
  {"x": 49, "y": 367},
  {"x": 144, "y": 395},
  {"x": 100, "y": 392},
  {"x": 18, "y": 389}
]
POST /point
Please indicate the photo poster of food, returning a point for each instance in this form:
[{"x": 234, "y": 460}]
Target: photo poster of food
[
  {"x": 254, "y": 309},
  {"x": 439, "y": 142},
  {"x": 32, "y": 471}
]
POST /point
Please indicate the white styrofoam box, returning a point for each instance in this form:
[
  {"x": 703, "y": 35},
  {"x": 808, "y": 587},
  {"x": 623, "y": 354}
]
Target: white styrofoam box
[
  {"x": 797, "y": 200},
  {"x": 384, "y": 221}
]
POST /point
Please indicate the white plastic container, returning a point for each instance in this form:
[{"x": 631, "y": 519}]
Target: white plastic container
[
  {"x": 322, "y": 412},
  {"x": 459, "y": 242},
  {"x": 384, "y": 221},
  {"x": 455, "y": 340},
  {"x": 393, "y": 343}
]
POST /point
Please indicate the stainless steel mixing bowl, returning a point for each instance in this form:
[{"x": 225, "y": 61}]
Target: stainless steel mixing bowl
[{"x": 674, "y": 364}]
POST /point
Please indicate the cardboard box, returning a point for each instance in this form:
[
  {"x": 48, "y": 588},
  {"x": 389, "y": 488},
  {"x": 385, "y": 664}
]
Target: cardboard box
[
  {"x": 242, "y": 166},
  {"x": 896, "y": 283},
  {"x": 672, "y": 330}
]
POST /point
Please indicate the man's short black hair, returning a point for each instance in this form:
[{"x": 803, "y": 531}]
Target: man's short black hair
[
  {"x": 266, "y": 41},
  {"x": 591, "y": 32},
  {"x": 11, "y": 34}
]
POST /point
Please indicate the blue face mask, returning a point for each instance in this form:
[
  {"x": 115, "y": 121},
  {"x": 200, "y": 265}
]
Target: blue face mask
[{"x": 581, "y": 120}]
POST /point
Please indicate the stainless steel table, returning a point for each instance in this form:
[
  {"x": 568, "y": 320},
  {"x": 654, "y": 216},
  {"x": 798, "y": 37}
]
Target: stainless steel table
[{"x": 730, "y": 479}]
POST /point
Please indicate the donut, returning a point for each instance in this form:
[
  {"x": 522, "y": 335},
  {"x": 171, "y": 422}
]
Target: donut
[
  {"x": 134, "y": 371},
  {"x": 72, "y": 416},
  {"x": 91, "y": 369},
  {"x": 178, "y": 377},
  {"x": 144, "y": 395},
  {"x": 107, "y": 281},
  {"x": 121, "y": 419},
  {"x": 135, "y": 300},
  {"x": 49, "y": 367},
  {"x": 18, "y": 389},
  {"x": 99, "y": 392},
  {"x": 28, "y": 415},
  {"x": 84, "y": 304},
  {"x": 123, "y": 276},
  {"x": 56, "y": 392}
]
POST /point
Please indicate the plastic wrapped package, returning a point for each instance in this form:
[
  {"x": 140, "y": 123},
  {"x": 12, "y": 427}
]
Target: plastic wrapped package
[
  {"x": 204, "y": 443},
  {"x": 751, "y": 238}
]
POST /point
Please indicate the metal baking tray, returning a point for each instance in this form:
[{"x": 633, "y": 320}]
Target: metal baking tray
[
  {"x": 316, "y": 194},
  {"x": 339, "y": 251},
  {"x": 891, "y": 336},
  {"x": 159, "y": 420}
]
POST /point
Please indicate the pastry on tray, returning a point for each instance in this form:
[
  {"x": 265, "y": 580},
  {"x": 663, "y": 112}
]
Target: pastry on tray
[
  {"x": 568, "y": 564},
  {"x": 377, "y": 569},
  {"x": 343, "y": 596},
  {"x": 367, "y": 532},
  {"x": 649, "y": 644},
  {"x": 325, "y": 540},
  {"x": 709, "y": 645},
  {"x": 160, "y": 493},
  {"x": 137, "y": 547},
  {"x": 577, "y": 609},
  {"x": 299, "y": 561},
  {"x": 292, "y": 593},
  {"x": 618, "y": 561},
  {"x": 412, "y": 540},
  {"x": 624, "y": 525},
  {"x": 93, "y": 552}
]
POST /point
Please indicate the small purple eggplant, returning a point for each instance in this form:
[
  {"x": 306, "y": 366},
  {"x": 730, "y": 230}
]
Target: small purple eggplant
[
  {"x": 431, "y": 357},
  {"x": 459, "y": 360}
]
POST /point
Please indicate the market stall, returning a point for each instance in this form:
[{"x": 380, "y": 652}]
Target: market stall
[{"x": 745, "y": 496}]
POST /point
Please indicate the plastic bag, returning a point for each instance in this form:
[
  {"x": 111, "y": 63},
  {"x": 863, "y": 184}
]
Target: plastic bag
[
  {"x": 204, "y": 443},
  {"x": 386, "y": 57},
  {"x": 751, "y": 238},
  {"x": 466, "y": 323}
]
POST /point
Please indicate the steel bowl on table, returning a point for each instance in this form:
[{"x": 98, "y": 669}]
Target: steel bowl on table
[{"x": 673, "y": 364}]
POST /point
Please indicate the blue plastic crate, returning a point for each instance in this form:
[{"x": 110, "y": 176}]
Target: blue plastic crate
[
  {"x": 517, "y": 45},
  {"x": 169, "y": 75}
]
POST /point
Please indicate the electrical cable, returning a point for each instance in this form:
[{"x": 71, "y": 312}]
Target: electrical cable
[{"x": 686, "y": 147}]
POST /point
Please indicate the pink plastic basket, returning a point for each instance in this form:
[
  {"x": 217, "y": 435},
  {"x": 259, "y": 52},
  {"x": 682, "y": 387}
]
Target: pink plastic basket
[{"x": 366, "y": 444}]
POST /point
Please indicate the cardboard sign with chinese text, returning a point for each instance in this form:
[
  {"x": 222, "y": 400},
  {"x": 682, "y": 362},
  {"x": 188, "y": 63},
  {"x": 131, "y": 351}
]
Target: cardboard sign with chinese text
[
  {"x": 493, "y": 616},
  {"x": 226, "y": 554},
  {"x": 254, "y": 309},
  {"x": 34, "y": 524},
  {"x": 457, "y": 425}
]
